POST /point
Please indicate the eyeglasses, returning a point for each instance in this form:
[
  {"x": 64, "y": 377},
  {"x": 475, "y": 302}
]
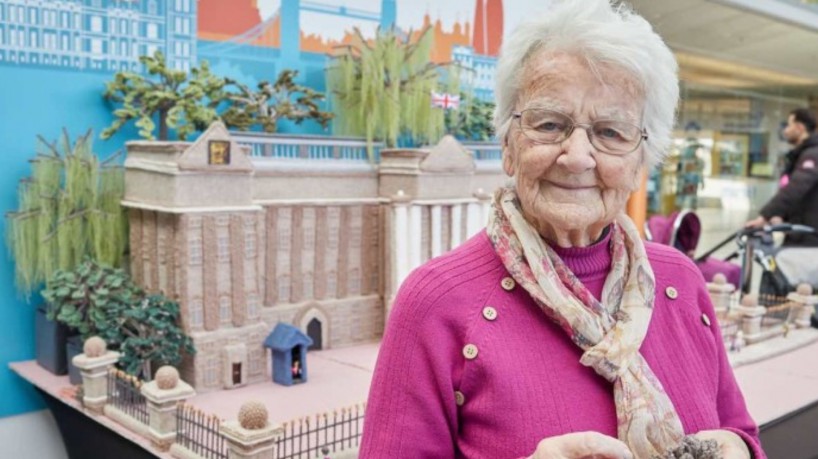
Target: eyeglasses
[{"x": 608, "y": 136}]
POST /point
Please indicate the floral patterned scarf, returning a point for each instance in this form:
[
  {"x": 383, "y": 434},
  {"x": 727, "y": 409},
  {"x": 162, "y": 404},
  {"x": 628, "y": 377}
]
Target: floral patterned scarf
[{"x": 610, "y": 336}]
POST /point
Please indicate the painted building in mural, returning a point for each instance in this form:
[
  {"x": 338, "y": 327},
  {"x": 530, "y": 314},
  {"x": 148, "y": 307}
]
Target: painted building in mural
[
  {"x": 97, "y": 35},
  {"x": 480, "y": 77},
  {"x": 481, "y": 56}
]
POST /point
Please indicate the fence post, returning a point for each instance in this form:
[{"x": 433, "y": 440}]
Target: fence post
[
  {"x": 804, "y": 296},
  {"x": 484, "y": 202},
  {"x": 397, "y": 245},
  {"x": 94, "y": 363},
  {"x": 162, "y": 395},
  {"x": 751, "y": 315},
  {"x": 720, "y": 293},
  {"x": 251, "y": 436}
]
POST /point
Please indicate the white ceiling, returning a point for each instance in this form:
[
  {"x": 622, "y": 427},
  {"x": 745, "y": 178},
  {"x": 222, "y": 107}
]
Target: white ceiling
[{"x": 735, "y": 30}]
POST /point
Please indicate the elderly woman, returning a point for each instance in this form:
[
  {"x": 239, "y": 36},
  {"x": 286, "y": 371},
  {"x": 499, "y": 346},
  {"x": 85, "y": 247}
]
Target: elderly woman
[{"x": 557, "y": 333}]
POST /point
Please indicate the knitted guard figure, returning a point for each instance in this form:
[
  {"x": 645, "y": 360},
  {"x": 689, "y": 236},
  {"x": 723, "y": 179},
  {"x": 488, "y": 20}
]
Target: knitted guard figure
[{"x": 693, "y": 448}]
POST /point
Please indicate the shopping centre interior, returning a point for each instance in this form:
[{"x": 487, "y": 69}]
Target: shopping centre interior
[{"x": 744, "y": 65}]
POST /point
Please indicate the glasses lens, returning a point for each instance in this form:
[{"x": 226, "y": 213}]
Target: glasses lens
[
  {"x": 545, "y": 126},
  {"x": 616, "y": 136}
]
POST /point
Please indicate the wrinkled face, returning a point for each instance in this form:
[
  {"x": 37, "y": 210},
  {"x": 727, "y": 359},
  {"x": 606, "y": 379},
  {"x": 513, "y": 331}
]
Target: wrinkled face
[
  {"x": 571, "y": 191},
  {"x": 794, "y": 131}
]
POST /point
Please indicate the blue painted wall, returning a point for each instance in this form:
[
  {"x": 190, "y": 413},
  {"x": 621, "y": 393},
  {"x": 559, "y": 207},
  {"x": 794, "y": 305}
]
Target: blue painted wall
[
  {"x": 36, "y": 101},
  {"x": 42, "y": 101},
  {"x": 39, "y": 99}
]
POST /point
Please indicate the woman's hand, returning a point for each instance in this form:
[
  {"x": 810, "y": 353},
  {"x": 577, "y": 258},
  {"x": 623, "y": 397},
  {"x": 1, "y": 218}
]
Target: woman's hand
[
  {"x": 730, "y": 444},
  {"x": 582, "y": 445}
]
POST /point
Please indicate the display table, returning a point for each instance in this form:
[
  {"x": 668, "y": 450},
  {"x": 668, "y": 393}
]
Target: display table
[
  {"x": 781, "y": 394},
  {"x": 85, "y": 436}
]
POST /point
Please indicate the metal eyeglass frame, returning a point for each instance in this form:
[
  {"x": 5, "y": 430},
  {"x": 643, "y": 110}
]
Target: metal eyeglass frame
[{"x": 588, "y": 131}]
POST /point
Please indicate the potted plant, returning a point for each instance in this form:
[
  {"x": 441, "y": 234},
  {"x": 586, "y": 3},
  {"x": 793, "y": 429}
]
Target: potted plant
[
  {"x": 101, "y": 301},
  {"x": 151, "y": 336},
  {"x": 272, "y": 102},
  {"x": 84, "y": 300},
  {"x": 382, "y": 89},
  {"x": 69, "y": 210}
]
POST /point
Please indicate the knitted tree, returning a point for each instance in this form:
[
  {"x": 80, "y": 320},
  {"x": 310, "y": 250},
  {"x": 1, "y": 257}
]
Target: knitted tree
[
  {"x": 167, "y": 98},
  {"x": 382, "y": 88},
  {"x": 69, "y": 210},
  {"x": 282, "y": 99}
]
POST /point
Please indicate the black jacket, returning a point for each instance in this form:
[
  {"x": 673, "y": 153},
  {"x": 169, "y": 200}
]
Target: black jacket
[{"x": 798, "y": 201}]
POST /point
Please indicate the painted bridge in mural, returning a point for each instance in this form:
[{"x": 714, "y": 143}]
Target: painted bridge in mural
[{"x": 254, "y": 44}]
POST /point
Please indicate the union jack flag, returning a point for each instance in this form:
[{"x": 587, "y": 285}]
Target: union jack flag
[{"x": 445, "y": 101}]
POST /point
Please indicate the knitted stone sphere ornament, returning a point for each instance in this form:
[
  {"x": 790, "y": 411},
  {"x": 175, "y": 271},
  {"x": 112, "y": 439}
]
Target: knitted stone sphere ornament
[
  {"x": 94, "y": 347},
  {"x": 167, "y": 377},
  {"x": 693, "y": 448},
  {"x": 253, "y": 415}
]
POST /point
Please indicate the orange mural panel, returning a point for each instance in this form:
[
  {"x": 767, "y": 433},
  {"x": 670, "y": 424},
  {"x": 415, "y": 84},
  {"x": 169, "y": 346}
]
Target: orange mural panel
[
  {"x": 488, "y": 27},
  {"x": 220, "y": 20},
  {"x": 494, "y": 26},
  {"x": 480, "y": 40},
  {"x": 444, "y": 41}
]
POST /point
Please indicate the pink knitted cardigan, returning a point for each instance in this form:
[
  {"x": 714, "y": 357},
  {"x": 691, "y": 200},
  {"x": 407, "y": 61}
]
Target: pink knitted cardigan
[{"x": 469, "y": 368}]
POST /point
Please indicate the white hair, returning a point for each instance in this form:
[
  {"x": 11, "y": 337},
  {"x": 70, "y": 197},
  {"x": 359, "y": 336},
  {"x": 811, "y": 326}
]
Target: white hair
[{"x": 601, "y": 33}]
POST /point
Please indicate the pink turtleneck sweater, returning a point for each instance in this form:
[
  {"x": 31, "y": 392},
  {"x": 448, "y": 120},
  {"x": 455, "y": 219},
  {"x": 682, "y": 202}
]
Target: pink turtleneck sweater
[{"x": 454, "y": 380}]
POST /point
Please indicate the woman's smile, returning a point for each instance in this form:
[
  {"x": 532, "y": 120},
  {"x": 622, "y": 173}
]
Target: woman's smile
[{"x": 568, "y": 186}]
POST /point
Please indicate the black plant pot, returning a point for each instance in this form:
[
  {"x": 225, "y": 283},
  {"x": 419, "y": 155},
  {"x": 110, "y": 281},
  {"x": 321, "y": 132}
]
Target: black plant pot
[
  {"x": 73, "y": 348},
  {"x": 50, "y": 337}
]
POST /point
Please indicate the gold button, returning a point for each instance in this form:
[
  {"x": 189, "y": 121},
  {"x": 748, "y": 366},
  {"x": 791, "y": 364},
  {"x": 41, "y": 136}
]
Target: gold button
[
  {"x": 470, "y": 351},
  {"x": 459, "y": 398},
  {"x": 705, "y": 320},
  {"x": 489, "y": 313},
  {"x": 671, "y": 293},
  {"x": 508, "y": 283}
]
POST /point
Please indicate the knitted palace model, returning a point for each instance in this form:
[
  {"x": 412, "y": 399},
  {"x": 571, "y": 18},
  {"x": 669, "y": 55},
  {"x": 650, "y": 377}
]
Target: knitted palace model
[{"x": 246, "y": 242}]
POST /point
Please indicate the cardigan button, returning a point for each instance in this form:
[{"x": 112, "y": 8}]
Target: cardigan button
[
  {"x": 489, "y": 313},
  {"x": 671, "y": 293},
  {"x": 508, "y": 284},
  {"x": 705, "y": 320},
  {"x": 459, "y": 398},
  {"x": 470, "y": 351}
]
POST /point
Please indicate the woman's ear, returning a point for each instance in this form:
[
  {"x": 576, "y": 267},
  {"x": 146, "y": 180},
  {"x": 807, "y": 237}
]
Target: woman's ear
[
  {"x": 508, "y": 157},
  {"x": 641, "y": 174}
]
